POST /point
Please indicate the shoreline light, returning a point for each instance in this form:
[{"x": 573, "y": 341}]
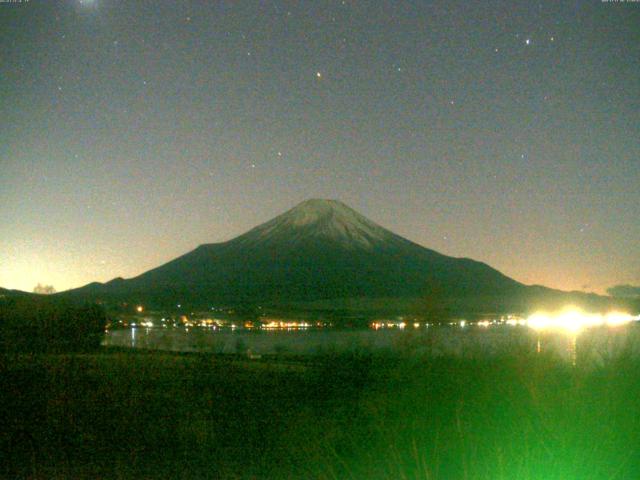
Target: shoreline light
[{"x": 573, "y": 320}]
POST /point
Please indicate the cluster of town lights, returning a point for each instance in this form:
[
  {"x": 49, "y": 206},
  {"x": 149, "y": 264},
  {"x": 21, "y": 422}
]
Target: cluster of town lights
[
  {"x": 280, "y": 325},
  {"x": 570, "y": 319}
]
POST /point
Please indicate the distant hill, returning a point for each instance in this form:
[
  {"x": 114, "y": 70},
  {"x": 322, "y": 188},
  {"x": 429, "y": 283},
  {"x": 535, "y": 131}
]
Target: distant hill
[
  {"x": 13, "y": 293},
  {"x": 323, "y": 255}
]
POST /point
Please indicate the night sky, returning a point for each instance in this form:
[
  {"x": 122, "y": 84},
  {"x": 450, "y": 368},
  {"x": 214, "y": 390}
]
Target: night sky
[{"x": 133, "y": 131}]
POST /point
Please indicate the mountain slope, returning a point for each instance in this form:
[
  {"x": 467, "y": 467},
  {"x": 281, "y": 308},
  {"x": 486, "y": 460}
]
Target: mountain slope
[
  {"x": 5, "y": 293},
  {"x": 317, "y": 251}
]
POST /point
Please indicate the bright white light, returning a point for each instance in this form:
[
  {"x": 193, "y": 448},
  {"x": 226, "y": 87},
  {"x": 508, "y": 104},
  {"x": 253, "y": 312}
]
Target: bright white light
[
  {"x": 539, "y": 321},
  {"x": 573, "y": 320},
  {"x": 613, "y": 319}
]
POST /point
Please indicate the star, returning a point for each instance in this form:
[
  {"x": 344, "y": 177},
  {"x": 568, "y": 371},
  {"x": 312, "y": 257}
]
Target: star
[
  {"x": 527, "y": 41},
  {"x": 318, "y": 75}
]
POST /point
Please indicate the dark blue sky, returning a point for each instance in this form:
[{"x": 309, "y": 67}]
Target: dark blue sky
[{"x": 132, "y": 131}]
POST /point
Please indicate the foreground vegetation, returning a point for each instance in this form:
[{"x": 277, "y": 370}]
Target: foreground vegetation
[
  {"x": 118, "y": 414},
  {"x": 40, "y": 323}
]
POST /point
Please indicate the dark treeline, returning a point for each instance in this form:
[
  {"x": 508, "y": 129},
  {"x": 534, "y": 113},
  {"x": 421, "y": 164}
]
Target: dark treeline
[{"x": 49, "y": 325}]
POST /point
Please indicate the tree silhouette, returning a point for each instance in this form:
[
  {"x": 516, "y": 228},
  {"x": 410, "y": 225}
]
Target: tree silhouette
[{"x": 44, "y": 289}]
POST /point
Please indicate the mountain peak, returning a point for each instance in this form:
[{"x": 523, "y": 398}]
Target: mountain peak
[
  {"x": 320, "y": 218},
  {"x": 318, "y": 203},
  {"x": 317, "y": 209}
]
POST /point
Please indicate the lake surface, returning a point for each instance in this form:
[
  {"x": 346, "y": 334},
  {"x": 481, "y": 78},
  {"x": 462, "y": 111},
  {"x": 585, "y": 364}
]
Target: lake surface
[{"x": 595, "y": 343}]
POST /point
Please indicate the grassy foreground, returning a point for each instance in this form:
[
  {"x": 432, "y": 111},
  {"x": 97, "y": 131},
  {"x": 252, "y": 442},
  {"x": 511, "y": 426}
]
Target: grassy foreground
[{"x": 128, "y": 415}]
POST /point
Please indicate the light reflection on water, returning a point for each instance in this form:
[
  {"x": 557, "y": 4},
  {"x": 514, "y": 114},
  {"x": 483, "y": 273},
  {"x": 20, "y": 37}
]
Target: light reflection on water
[
  {"x": 133, "y": 337},
  {"x": 596, "y": 343}
]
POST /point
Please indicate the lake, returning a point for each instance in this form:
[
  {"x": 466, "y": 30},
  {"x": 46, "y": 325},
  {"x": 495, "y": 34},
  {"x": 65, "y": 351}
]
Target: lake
[{"x": 595, "y": 343}]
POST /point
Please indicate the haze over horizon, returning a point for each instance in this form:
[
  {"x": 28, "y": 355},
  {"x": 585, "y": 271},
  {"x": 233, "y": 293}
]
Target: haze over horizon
[{"x": 506, "y": 132}]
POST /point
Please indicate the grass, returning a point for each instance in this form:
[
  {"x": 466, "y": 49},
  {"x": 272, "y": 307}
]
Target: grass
[{"x": 119, "y": 414}]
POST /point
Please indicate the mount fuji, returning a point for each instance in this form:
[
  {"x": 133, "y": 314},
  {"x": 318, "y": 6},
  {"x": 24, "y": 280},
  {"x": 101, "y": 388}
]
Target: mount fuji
[{"x": 319, "y": 253}]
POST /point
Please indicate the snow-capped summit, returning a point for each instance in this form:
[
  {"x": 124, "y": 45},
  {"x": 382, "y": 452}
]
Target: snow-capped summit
[{"x": 319, "y": 219}]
